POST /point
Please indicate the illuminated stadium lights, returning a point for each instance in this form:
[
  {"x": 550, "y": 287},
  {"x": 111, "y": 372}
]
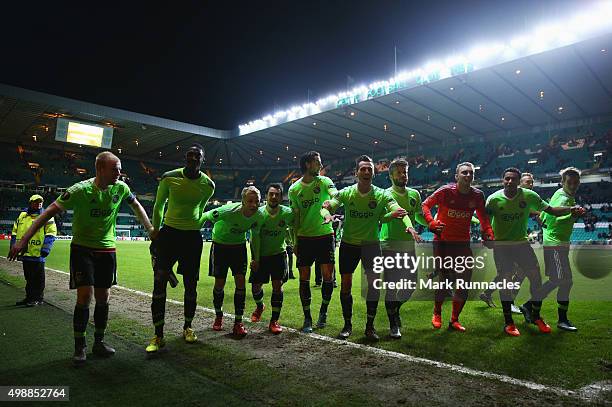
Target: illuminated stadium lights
[{"x": 588, "y": 23}]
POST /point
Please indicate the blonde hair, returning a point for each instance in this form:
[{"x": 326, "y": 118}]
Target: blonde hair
[
  {"x": 250, "y": 190},
  {"x": 569, "y": 172},
  {"x": 103, "y": 157}
]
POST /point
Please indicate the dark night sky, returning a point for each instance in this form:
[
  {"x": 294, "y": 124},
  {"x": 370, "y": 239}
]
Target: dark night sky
[{"x": 220, "y": 64}]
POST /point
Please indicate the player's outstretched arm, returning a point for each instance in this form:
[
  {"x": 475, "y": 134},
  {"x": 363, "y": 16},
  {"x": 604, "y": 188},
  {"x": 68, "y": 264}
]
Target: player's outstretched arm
[
  {"x": 560, "y": 211},
  {"x": 142, "y": 217},
  {"x": 40, "y": 221}
]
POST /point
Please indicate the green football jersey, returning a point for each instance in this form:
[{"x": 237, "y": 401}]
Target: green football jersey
[
  {"x": 231, "y": 225},
  {"x": 395, "y": 229},
  {"x": 186, "y": 199},
  {"x": 509, "y": 217},
  {"x": 306, "y": 201},
  {"x": 95, "y": 212},
  {"x": 558, "y": 230},
  {"x": 363, "y": 212},
  {"x": 273, "y": 231}
]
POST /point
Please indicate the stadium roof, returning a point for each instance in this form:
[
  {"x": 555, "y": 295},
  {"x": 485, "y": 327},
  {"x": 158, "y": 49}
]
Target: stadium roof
[{"x": 559, "y": 85}]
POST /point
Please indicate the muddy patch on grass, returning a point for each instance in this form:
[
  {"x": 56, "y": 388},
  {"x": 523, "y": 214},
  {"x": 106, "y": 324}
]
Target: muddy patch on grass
[{"x": 337, "y": 369}]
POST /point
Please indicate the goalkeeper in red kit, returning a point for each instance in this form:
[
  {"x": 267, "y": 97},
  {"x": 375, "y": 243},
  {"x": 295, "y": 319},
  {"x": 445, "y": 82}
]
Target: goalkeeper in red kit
[{"x": 456, "y": 205}]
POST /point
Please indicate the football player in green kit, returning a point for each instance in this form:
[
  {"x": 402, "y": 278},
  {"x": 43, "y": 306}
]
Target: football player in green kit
[
  {"x": 314, "y": 239},
  {"x": 93, "y": 262},
  {"x": 557, "y": 233},
  {"x": 365, "y": 206},
  {"x": 509, "y": 209},
  {"x": 272, "y": 261},
  {"x": 187, "y": 191},
  {"x": 394, "y": 239},
  {"x": 228, "y": 251}
]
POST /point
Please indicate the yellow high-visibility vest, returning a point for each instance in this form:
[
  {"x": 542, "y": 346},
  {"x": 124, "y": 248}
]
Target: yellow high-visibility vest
[{"x": 23, "y": 223}]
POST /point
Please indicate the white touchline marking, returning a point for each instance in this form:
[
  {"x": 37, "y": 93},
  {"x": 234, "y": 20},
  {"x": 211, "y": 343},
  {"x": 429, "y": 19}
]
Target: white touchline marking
[{"x": 588, "y": 392}]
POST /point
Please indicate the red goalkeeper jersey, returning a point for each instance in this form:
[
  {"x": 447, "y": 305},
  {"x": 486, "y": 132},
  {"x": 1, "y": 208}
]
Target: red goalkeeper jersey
[{"x": 455, "y": 210}]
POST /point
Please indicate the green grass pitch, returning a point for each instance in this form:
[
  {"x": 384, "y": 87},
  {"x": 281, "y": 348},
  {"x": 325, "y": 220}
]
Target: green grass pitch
[{"x": 563, "y": 359}]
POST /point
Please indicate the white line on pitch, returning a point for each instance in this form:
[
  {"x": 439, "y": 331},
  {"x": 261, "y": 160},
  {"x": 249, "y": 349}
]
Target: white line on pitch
[{"x": 590, "y": 395}]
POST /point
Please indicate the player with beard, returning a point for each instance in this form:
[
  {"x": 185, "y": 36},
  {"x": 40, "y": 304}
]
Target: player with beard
[
  {"x": 394, "y": 239},
  {"x": 365, "y": 206},
  {"x": 456, "y": 205}
]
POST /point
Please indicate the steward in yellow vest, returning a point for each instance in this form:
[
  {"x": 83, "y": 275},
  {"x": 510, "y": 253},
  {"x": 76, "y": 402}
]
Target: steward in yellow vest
[{"x": 38, "y": 249}]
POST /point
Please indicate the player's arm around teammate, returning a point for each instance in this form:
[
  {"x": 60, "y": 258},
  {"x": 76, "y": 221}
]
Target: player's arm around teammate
[
  {"x": 269, "y": 261},
  {"x": 228, "y": 251},
  {"x": 365, "y": 206}
]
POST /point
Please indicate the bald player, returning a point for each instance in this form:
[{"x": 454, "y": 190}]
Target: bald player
[{"x": 93, "y": 263}]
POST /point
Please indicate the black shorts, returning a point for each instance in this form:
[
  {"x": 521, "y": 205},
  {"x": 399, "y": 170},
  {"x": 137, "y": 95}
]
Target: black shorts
[
  {"x": 270, "y": 267},
  {"x": 92, "y": 267},
  {"x": 396, "y": 274},
  {"x": 509, "y": 255},
  {"x": 350, "y": 256},
  {"x": 182, "y": 246},
  {"x": 556, "y": 262},
  {"x": 321, "y": 249},
  {"x": 443, "y": 250},
  {"x": 223, "y": 256}
]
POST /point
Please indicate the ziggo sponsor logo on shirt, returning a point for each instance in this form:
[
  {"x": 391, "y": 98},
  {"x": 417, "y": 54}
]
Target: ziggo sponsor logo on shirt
[
  {"x": 456, "y": 213},
  {"x": 306, "y": 203},
  {"x": 360, "y": 215}
]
